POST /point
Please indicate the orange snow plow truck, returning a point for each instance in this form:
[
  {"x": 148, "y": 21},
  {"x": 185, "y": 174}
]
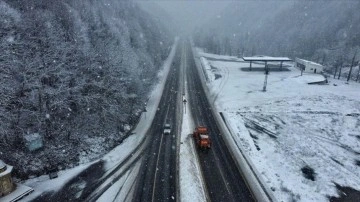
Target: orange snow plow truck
[{"x": 201, "y": 137}]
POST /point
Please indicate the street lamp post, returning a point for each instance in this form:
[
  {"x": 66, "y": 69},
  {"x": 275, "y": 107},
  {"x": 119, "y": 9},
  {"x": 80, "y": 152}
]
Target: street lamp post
[{"x": 266, "y": 77}]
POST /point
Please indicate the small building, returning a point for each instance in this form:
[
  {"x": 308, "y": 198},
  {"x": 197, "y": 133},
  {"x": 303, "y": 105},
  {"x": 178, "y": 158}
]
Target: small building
[
  {"x": 308, "y": 66},
  {"x": 33, "y": 141},
  {"x": 6, "y": 183},
  {"x": 9, "y": 191}
]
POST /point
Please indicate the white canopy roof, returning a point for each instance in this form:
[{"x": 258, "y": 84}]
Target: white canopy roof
[{"x": 267, "y": 58}]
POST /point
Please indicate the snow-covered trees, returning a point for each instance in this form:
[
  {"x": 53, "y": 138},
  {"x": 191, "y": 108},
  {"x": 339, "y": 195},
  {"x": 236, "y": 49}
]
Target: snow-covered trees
[
  {"x": 72, "y": 70},
  {"x": 320, "y": 31}
]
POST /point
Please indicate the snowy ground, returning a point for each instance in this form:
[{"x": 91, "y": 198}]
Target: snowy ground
[
  {"x": 43, "y": 184},
  {"x": 117, "y": 155},
  {"x": 191, "y": 181},
  {"x": 302, "y": 138},
  {"x": 119, "y": 190}
]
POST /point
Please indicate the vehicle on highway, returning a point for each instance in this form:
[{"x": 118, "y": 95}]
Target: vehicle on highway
[
  {"x": 201, "y": 137},
  {"x": 167, "y": 129}
]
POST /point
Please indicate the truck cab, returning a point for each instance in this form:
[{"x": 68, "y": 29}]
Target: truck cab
[
  {"x": 201, "y": 137},
  {"x": 204, "y": 142}
]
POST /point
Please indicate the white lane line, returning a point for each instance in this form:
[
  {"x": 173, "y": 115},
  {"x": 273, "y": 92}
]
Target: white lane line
[
  {"x": 156, "y": 169},
  {"x": 157, "y": 161},
  {"x": 221, "y": 172}
]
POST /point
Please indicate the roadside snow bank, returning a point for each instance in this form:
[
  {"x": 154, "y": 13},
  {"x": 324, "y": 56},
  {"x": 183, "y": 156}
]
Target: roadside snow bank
[
  {"x": 129, "y": 145},
  {"x": 191, "y": 181},
  {"x": 218, "y": 57},
  {"x": 43, "y": 184}
]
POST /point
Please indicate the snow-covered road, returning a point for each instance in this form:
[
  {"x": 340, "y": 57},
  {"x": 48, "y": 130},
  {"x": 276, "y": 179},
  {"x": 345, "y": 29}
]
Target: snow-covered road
[{"x": 192, "y": 188}]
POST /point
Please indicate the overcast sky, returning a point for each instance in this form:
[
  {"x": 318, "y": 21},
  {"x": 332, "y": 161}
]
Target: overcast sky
[{"x": 189, "y": 14}]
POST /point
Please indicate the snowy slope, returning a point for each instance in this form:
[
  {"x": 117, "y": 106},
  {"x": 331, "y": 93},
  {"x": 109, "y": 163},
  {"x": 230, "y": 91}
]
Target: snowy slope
[
  {"x": 116, "y": 156},
  {"x": 292, "y": 127},
  {"x": 95, "y": 63}
]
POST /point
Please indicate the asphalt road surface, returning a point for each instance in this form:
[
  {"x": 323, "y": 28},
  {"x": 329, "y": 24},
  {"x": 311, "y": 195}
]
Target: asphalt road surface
[
  {"x": 222, "y": 178},
  {"x": 158, "y": 176},
  {"x": 157, "y": 179}
]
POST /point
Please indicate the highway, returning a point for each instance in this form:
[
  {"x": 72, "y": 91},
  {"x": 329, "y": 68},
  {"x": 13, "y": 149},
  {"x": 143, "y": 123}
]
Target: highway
[
  {"x": 157, "y": 180},
  {"x": 157, "y": 156},
  {"x": 222, "y": 177}
]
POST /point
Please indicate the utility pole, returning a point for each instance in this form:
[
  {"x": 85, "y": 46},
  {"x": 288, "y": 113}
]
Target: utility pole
[
  {"x": 266, "y": 77},
  {"x": 352, "y": 64}
]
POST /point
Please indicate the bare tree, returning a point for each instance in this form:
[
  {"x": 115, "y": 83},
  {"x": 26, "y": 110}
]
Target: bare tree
[
  {"x": 358, "y": 75},
  {"x": 352, "y": 64},
  {"x": 341, "y": 62},
  {"x": 336, "y": 68}
]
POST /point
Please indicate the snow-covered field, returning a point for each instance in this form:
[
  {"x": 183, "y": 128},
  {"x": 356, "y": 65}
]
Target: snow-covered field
[{"x": 301, "y": 138}]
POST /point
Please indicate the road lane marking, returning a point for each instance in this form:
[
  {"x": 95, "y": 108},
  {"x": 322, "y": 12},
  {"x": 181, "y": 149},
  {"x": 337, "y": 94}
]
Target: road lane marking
[{"x": 156, "y": 168}]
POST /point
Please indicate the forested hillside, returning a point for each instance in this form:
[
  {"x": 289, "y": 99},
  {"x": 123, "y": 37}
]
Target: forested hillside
[
  {"x": 161, "y": 15},
  {"x": 76, "y": 72},
  {"x": 322, "y": 31}
]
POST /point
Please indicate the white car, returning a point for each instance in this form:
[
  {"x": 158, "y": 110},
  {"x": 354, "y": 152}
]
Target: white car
[{"x": 167, "y": 129}]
